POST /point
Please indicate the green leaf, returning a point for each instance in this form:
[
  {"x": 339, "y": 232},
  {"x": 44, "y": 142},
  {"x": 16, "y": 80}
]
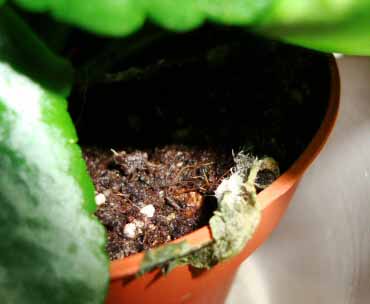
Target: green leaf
[
  {"x": 235, "y": 12},
  {"x": 122, "y": 17},
  {"x": 52, "y": 247},
  {"x": 327, "y": 25},
  {"x": 110, "y": 17}
]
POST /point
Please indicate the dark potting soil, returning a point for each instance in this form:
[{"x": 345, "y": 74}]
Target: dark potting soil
[
  {"x": 150, "y": 197},
  {"x": 192, "y": 99}
]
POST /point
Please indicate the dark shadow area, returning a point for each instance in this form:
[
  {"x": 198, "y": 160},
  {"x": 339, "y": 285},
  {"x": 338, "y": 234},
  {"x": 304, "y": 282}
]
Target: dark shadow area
[
  {"x": 197, "y": 272},
  {"x": 219, "y": 87},
  {"x": 128, "y": 279},
  {"x": 156, "y": 277}
]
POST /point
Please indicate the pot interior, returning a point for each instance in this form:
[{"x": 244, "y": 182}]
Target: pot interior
[{"x": 211, "y": 89}]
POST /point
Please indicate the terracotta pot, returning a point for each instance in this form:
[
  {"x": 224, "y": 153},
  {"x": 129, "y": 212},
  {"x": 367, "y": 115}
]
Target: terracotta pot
[{"x": 185, "y": 285}]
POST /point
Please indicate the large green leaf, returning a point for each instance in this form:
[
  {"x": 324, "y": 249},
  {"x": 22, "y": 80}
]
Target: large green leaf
[
  {"x": 122, "y": 17},
  {"x": 52, "y": 247},
  {"x": 328, "y": 25}
]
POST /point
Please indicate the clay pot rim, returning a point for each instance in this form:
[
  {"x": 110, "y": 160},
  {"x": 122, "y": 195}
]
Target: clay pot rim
[{"x": 130, "y": 265}]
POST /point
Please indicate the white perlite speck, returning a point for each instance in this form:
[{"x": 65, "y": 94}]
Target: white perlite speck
[
  {"x": 100, "y": 199},
  {"x": 130, "y": 230},
  {"x": 148, "y": 210}
]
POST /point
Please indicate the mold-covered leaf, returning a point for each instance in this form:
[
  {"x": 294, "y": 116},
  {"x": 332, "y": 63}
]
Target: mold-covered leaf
[
  {"x": 161, "y": 255},
  {"x": 327, "y": 25},
  {"x": 52, "y": 247},
  {"x": 233, "y": 223},
  {"x": 237, "y": 216}
]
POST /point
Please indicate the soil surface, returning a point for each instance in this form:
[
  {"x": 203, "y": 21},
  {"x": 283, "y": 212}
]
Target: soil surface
[{"x": 147, "y": 198}]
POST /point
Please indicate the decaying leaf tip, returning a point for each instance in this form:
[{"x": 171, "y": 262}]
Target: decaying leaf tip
[{"x": 232, "y": 224}]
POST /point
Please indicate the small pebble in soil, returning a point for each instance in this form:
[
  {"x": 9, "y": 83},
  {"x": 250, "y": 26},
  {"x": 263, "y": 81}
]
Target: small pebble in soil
[
  {"x": 148, "y": 210},
  {"x": 100, "y": 199},
  {"x": 130, "y": 230}
]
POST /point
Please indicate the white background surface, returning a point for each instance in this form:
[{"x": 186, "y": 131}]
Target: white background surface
[{"x": 320, "y": 252}]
